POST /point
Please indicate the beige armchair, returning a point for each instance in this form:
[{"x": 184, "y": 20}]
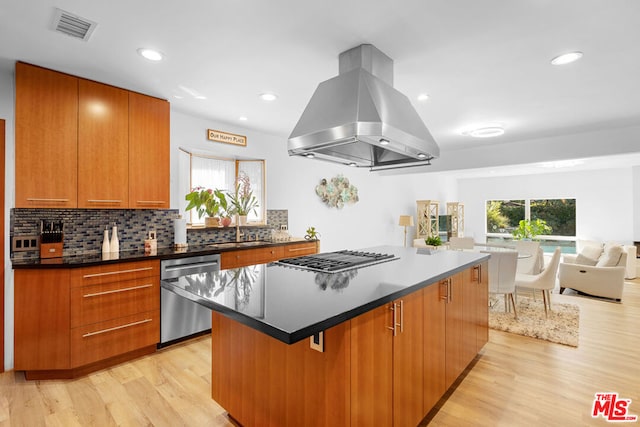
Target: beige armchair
[
  {"x": 544, "y": 281},
  {"x": 596, "y": 280}
]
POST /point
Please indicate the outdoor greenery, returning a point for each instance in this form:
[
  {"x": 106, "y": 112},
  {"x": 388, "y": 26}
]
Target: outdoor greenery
[
  {"x": 504, "y": 216},
  {"x": 531, "y": 229}
]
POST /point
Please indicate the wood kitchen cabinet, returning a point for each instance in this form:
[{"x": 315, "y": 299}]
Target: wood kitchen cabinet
[
  {"x": 41, "y": 319},
  {"x": 435, "y": 300},
  {"x": 73, "y": 321},
  {"x": 84, "y": 144},
  {"x": 148, "y": 152},
  {"x": 387, "y": 364},
  {"x": 46, "y": 146},
  {"x": 245, "y": 257},
  {"x": 103, "y": 145}
]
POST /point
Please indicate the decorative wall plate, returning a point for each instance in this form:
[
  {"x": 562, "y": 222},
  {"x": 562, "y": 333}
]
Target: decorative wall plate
[{"x": 337, "y": 192}]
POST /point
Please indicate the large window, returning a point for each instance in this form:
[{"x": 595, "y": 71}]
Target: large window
[
  {"x": 201, "y": 170},
  {"x": 503, "y": 216}
]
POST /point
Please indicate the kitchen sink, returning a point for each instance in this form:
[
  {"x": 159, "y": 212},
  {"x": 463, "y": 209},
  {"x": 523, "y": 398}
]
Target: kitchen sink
[{"x": 238, "y": 244}]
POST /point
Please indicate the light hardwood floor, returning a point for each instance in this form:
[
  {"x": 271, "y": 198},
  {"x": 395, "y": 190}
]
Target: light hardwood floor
[{"x": 515, "y": 381}]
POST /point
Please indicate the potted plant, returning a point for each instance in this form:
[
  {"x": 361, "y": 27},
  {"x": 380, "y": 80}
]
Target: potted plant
[
  {"x": 433, "y": 241},
  {"x": 243, "y": 200},
  {"x": 529, "y": 230},
  {"x": 312, "y": 234},
  {"x": 225, "y": 209},
  {"x": 206, "y": 204}
]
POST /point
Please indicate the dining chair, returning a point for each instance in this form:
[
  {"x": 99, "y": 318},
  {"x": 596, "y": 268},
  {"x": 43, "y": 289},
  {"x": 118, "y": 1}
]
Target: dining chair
[
  {"x": 502, "y": 277},
  {"x": 531, "y": 259},
  {"x": 544, "y": 281},
  {"x": 460, "y": 243}
]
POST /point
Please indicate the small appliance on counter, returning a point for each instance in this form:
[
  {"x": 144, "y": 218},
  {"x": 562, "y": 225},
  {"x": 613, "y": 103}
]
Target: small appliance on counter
[{"x": 51, "y": 238}]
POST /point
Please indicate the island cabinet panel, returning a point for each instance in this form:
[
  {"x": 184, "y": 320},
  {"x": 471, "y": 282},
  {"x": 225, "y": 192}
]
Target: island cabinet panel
[
  {"x": 149, "y": 151},
  {"x": 46, "y": 138},
  {"x": 455, "y": 318},
  {"x": 103, "y": 145},
  {"x": 482, "y": 306},
  {"x": 372, "y": 368},
  {"x": 41, "y": 316},
  {"x": 261, "y": 381},
  {"x": 434, "y": 343}
]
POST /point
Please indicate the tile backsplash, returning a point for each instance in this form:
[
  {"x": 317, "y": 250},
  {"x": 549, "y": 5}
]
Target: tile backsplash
[{"x": 83, "y": 228}]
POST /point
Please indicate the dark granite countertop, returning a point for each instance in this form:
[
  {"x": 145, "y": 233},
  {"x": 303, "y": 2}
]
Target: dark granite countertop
[
  {"x": 290, "y": 304},
  {"x": 91, "y": 259}
]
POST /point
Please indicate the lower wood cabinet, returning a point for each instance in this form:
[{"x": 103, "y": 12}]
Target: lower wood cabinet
[
  {"x": 386, "y": 367},
  {"x": 245, "y": 257},
  {"x": 71, "y": 321}
]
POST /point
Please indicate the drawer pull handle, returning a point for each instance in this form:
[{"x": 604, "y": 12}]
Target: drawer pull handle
[
  {"x": 151, "y": 202},
  {"x": 300, "y": 249},
  {"x": 115, "y": 328},
  {"x": 40, "y": 199},
  {"x": 109, "y": 273},
  {"x": 103, "y": 201},
  {"x": 115, "y": 291}
]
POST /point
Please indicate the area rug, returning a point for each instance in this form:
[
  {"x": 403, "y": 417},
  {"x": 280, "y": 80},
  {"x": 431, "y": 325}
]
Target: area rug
[{"x": 562, "y": 326}]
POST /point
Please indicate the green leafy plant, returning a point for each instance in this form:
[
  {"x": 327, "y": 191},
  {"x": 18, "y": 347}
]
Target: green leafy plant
[
  {"x": 243, "y": 200},
  {"x": 225, "y": 209},
  {"x": 433, "y": 241},
  {"x": 204, "y": 201},
  {"x": 528, "y": 229},
  {"x": 312, "y": 234}
]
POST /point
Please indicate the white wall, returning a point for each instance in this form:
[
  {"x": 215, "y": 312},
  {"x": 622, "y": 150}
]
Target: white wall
[
  {"x": 7, "y": 113},
  {"x": 604, "y": 199},
  {"x": 635, "y": 178},
  {"x": 291, "y": 183}
]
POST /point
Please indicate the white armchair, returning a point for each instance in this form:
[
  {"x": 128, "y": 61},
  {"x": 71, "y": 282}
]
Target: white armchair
[{"x": 607, "y": 282}]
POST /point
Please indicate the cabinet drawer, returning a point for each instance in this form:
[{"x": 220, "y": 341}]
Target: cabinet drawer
[
  {"x": 241, "y": 258},
  {"x": 114, "y": 273},
  {"x": 98, "y": 303},
  {"x": 100, "y": 341},
  {"x": 299, "y": 249}
]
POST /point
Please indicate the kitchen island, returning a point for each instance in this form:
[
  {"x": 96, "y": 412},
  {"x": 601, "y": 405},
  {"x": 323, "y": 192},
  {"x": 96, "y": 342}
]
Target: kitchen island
[{"x": 377, "y": 345}]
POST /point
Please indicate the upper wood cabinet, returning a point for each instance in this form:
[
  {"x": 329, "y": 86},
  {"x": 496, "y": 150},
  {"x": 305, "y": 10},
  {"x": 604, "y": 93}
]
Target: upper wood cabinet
[
  {"x": 46, "y": 138},
  {"x": 103, "y": 146},
  {"x": 148, "y": 152},
  {"x": 86, "y": 144}
]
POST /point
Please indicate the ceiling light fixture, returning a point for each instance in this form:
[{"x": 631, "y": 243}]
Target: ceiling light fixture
[
  {"x": 566, "y": 58},
  {"x": 267, "y": 96},
  {"x": 310, "y": 156},
  {"x": 423, "y": 97},
  {"x": 384, "y": 141},
  {"x": 485, "y": 132},
  {"x": 150, "y": 54},
  {"x": 352, "y": 164},
  {"x": 243, "y": 118}
]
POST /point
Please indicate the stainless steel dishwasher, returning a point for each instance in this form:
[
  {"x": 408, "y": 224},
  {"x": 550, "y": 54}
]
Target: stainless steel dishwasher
[{"x": 180, "y": 318}]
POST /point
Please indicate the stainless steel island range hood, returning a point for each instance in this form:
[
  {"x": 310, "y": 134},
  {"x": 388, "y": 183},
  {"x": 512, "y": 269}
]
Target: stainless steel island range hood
[{"x": 357, "y": 118}]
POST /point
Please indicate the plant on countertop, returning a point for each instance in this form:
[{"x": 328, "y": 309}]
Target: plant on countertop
[
  {"x": 528, "y": 229},
  {"x": 312, "y": 234},
  {"x": 433, "y": 241},
  {"x": 204, "y": 201},
  {"x": 243, "y": 201}
]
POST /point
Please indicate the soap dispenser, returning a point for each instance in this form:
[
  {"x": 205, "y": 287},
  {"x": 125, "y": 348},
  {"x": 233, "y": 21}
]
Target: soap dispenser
[
  {"x": 115, "y": 244},
  {"x": 106, "y": 246}
]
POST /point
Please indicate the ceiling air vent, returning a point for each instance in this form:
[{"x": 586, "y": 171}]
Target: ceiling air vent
[{"x": 73, "y": 25}]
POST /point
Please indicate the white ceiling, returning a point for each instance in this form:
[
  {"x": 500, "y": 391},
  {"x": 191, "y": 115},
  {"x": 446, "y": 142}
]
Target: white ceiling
[{"x": 480, "y": 61}]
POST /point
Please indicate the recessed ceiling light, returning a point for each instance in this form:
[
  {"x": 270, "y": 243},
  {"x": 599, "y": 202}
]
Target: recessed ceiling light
[
  {"x": 268, "y": 96},
  {"x": 485, "y": 132},
  {"x": 243, "y": 118},
  {"x": 150, "y": 54},
  {"x": 566, "y": 58},
  {"x": 423, "y": 97}
]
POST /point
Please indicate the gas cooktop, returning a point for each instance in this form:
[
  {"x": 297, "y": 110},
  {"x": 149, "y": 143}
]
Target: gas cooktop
[{"x": 335, "y": 262}]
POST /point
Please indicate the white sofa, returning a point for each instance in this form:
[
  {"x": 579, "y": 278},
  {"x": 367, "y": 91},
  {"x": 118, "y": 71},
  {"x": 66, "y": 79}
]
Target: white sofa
[{"x": 597, "y": 270}]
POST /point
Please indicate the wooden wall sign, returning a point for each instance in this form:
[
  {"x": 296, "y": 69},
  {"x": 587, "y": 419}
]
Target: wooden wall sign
[{"x": 226, "y": 137}]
